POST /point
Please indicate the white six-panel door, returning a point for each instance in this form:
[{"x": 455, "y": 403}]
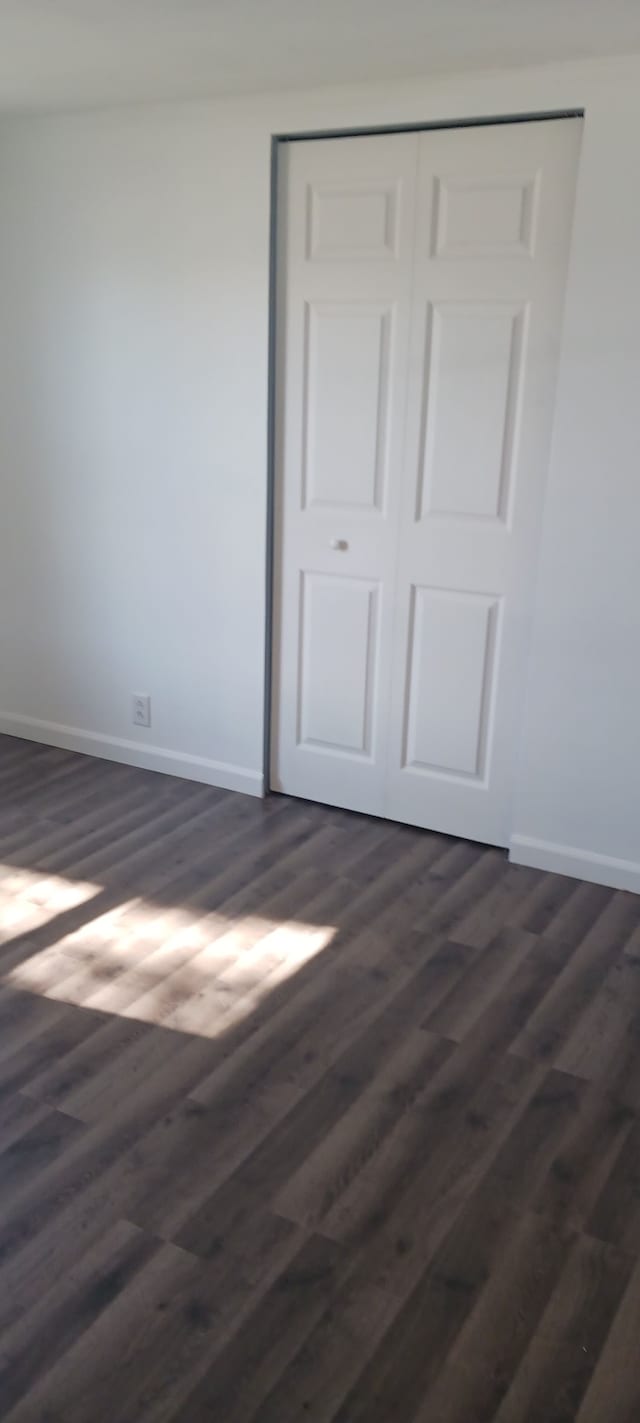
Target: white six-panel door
[{"x": 420, "y": 282}]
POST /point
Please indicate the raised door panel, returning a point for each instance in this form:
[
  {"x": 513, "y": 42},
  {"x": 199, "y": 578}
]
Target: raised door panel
[
  {"x": 354, "y": 221},
  {"x": 346, "y": 405},
  {"x": 488, "y": 216},
  {"x": 471, "y": 383},
  {"x": 339, "y": 628},
  {"x": 452, "y": 641}
]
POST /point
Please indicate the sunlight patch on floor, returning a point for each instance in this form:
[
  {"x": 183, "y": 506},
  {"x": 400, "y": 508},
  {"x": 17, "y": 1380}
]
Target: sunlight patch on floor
[
  {"x": 183, "y": 969},
  {"x": 28, "y": 900}
]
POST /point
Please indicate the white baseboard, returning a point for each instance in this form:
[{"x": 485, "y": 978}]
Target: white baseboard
[
  {"x": 134, "y": 753},
  {"x": 581, "y": 864}
]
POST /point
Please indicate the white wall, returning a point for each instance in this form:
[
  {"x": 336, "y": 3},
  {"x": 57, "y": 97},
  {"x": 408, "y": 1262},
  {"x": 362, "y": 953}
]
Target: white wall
[
  {"x": 133, "y": 380},
  {"x": 578, "y": 801},
  {"x": 133, "y": 340}
]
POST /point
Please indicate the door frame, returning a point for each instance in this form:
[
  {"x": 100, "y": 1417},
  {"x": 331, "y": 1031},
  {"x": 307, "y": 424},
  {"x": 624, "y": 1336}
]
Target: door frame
[{"x": 278, "y": 142}]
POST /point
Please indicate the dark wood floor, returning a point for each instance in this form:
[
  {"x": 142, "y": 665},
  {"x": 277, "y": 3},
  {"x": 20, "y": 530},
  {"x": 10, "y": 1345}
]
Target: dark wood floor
[{"x": 306, "y": 1117}]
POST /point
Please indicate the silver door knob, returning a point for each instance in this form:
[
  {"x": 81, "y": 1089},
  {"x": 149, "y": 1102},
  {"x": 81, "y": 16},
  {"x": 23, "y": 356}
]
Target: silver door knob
[{"x": 340, "y": 544}]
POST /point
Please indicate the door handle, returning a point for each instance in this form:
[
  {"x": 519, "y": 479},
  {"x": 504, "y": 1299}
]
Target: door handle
[{"x": 339, "y": 544}]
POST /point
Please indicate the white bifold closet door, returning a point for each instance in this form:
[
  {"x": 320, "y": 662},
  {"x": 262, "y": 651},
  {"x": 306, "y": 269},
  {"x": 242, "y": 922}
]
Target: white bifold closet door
[{"x": 420, "y": 290}]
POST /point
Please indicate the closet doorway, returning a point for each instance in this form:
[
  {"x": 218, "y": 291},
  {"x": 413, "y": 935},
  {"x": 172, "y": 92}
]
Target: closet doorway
[{"x": 420, "y": 290}]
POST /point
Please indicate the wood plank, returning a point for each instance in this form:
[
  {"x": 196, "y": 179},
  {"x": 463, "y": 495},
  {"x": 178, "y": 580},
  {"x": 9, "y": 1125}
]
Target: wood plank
[
  {"x": 29, "y": 1155},
  {"x": 593, "y": 1048},
  {"x": 312, "y": 1191},
  {"x": 412, "y": 1353},
  {"x": 486, "y": 975},
  {"x": 616, "y": 1213},
  {"x": 585, "y": 969},
  {"x": 258, "y": 1354},
  {"x": 493, "y": 910},
  {"x": 103, "y": 1357},
  {"x": 323, "y": 1371},
  {"x": 401, "y": 1205},
  {"x": 614, "y": 1391},
  {"x": 553, "y": 1376},
  {"x": 67, "y": 1308},
  {"x": 489, "y": 1347},
  {"x": 585, "y": 1160}
]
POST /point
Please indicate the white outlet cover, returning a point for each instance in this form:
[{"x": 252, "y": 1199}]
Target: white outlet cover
[{"x": 141, "y": 707}]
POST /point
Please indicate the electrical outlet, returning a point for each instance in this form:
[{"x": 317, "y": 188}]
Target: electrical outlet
[{"x": 141, "y": 709}]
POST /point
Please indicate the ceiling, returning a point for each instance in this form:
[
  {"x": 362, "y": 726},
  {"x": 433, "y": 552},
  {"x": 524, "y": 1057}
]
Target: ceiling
[{"x": 75, "y": 53}]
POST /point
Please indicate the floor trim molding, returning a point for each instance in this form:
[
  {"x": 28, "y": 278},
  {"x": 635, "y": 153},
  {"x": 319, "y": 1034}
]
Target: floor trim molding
[
  {"x": 133, "y": 753},
  {"x": 581, "y": 864}
]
